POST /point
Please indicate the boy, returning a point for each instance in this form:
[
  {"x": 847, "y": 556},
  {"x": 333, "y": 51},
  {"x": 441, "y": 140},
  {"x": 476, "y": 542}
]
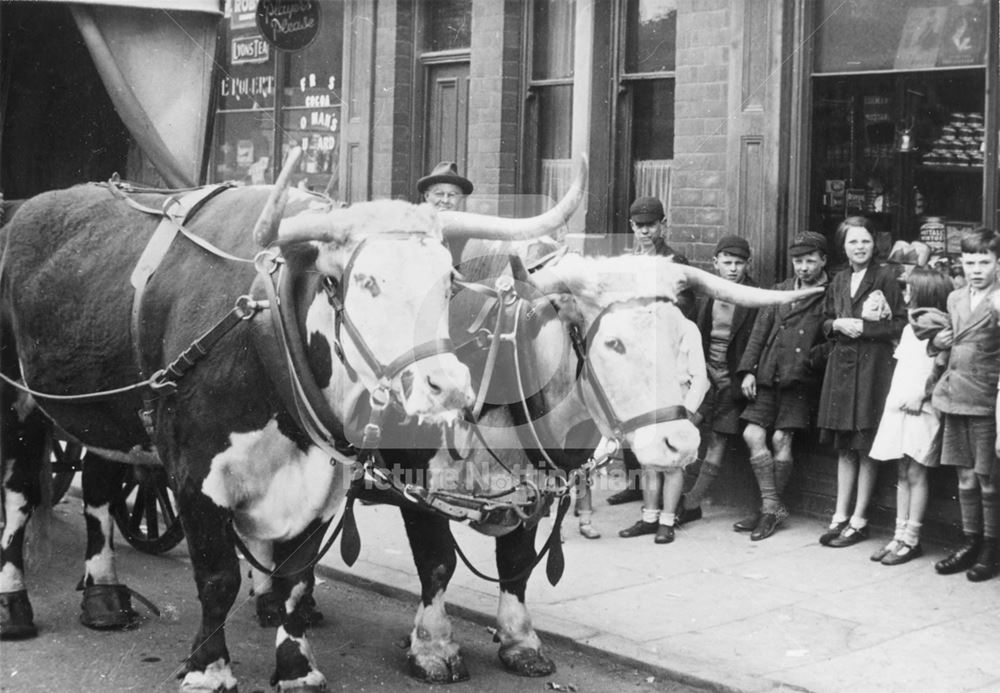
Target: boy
[
  {"x": 967, "y": 399},
  {"x": 725, "y": 331},
  {"x": 780, "y": 374},
  {"x": 648, "y": 223}
]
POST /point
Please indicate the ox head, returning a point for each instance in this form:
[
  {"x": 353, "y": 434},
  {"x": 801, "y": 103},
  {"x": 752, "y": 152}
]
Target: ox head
[
  {"x": 392, "y": 274},
  {"x": 634, "y": 380}
]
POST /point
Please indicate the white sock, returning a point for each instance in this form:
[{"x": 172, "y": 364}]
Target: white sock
[
  {"x": 667, "y": 519},
  {"x": 650, "y": 514}
]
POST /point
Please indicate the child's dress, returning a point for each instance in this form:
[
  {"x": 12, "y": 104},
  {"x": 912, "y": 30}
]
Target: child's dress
[{"x": 900, "y": 433}]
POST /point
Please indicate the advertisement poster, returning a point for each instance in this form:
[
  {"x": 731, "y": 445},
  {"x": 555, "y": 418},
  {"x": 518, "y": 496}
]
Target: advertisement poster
[
  {"x": 921, "y": 39},
  {"x": 964, "y": 36}
]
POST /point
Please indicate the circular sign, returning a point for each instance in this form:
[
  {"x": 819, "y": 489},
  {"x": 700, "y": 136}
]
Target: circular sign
[{"x": 290, "y": 25}]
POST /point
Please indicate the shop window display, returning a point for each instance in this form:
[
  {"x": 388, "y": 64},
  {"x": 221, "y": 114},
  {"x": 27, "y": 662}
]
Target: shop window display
[{"x": 271, "y": 100}]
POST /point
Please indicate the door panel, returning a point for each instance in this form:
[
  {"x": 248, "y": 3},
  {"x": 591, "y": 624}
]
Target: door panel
[{"x": 447, "y": 115}]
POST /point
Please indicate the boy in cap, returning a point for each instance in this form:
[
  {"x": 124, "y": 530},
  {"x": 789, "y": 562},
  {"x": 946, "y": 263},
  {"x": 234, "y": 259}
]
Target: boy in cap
[
  {"x": 648, "y": 223},
  {"x": 781, "y": 373},
  {"x": 725, "y": 330},
  {"x": 444, "y": 188}
]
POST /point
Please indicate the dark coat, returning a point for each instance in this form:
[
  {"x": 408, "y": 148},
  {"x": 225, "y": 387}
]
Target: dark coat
[
  {"x": 787, "y": 344},
  {"x": 739, "y": 335},
  {"x": 968, "y": 385},
  {"x": 686, "y": 297},
  {"x": 859, "y": 371}
]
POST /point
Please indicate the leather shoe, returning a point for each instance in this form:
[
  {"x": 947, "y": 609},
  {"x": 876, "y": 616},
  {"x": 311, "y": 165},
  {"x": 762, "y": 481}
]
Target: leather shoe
[
  {"x": 587, "y": 530},
  {"x": 664, "y": 534},
  {"x": 832, "y": 533},
  {"x": 903, "y": 553},
  {"x": 629, "y": 495},
  {"x": 963, "y": 558},
  {"x": 769, "y": 523},
  {"x": 638, "y": 529},
  {"x": 849, "y": 537},
  {"x": 987, "y": 563},
  {"x": 684, "y": 515},
  {"x": 748, "y": 523},
  {"x": 884, "y": 551}
]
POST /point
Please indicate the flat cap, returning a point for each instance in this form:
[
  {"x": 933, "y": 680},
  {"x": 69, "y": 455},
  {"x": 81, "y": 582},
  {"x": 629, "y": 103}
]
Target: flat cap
[
  {"x": 734, "y": 245},
  {"x": 645, "y": 210},
  {"x": 807, "y": 242}
]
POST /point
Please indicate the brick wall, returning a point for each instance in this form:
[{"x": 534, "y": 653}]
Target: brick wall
[
  {"x": 494, "y": 101},
  {"x": 698, "y": 209},
  {"x": 392, "y": 106}
]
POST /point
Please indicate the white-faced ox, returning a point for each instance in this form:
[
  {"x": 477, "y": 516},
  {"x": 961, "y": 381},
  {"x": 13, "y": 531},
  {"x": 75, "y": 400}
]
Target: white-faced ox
[
  {"x": 363, "y": 296},
  {"x": 538, "y": 386}
]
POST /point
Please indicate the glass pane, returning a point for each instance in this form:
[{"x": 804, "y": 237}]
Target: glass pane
[
  {"x": 247, "y": 71},
  {"x": 555, "y": 129},
  {"x": 311, "y": 99},
  {"x": 448, "y": 24},
  {"x": 242, "y": 148},
  {"x": 651, "y": 36},
  {"x": 553, "y": 38},
  {"x": 653, "y": 120},
  {"x": 899, "y": 34}
]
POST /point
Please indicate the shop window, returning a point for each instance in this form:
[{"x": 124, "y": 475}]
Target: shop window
[
  {"x": 900, "y": 128},
  {"x": 448, "y": 25},
  {"x": 551, "y": 91},
  {"x": 271, "y": 100}
]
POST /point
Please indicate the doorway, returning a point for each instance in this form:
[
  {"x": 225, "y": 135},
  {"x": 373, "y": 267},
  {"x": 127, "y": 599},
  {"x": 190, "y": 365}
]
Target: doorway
[{"x": 446, "y": 115}]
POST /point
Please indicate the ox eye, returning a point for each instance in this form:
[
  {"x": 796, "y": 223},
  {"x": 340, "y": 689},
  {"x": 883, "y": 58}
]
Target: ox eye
[
  {"x": 369, "y": 284},
  {"x": 615, "y": 345}
]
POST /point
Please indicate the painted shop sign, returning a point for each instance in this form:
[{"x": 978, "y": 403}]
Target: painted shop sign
[
  {"x": 249, "y": 49},
  {"x": 242, "y": 14},
  {"x": 289, "y": 25}
]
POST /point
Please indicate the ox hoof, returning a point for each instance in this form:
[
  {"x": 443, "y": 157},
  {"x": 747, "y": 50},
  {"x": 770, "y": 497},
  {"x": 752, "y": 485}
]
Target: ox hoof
[
  {"x": 108, "y": 607},
  {"x": 17, "y": 621},
  {"x": 438, "y": 669},
  {"x": 271, "y": 610},
  {"x": 527, "y": 662}
]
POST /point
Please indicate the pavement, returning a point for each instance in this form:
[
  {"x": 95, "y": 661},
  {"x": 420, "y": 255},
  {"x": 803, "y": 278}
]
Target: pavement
[{"x": 721, "y": 612}]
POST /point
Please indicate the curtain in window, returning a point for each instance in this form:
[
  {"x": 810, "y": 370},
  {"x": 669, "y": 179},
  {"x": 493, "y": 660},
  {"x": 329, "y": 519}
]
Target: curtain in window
[
  {"x": 652, "y": 179},
  {"x": 157, "y": 68}
]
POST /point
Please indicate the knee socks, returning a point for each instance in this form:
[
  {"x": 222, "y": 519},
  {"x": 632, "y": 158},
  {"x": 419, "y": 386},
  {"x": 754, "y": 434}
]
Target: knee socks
[
  {"x": 972, "y": 510},
  {"x": 782, "y": 473},
  {"x": 706, "y": 475},
  {"x": 991, "y": 514},
  {"x": 764, "y": 469}
]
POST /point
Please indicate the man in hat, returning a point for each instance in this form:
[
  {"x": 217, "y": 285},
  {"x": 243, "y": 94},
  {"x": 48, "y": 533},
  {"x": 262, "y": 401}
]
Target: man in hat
[
  {"x": 781, "y": 374},
  {"x": 725, "y": 330},
  {"x": 444, "y": 188}
]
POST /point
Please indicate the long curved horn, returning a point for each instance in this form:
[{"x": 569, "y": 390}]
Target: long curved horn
[
  {"x": 265, "y": 231},
  {"x": 469, "y": 225},
  {"x": 310, "y": 226},
  {"x": 740, "y": 294}
]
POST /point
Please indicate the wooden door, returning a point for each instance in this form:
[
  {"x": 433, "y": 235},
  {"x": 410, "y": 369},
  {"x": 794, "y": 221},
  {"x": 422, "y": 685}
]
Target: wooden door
[{"x": 447, "y": 115}]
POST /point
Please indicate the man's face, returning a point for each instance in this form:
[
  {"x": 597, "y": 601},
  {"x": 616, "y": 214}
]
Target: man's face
[
  {"x": 980, "y": 269},
  {"x": 809, "y": 267},
  {"x": 729, "y": 266},
  {"x": 646, "y": 232},
  {"x": 444, "y": 196}
]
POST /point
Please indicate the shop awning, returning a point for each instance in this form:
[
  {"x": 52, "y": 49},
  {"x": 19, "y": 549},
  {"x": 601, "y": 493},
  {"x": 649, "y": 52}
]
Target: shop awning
[{"x": 155, "y": 58}]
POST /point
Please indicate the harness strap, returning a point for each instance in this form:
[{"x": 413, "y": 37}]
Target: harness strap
[{"x": 662, "y": 415}]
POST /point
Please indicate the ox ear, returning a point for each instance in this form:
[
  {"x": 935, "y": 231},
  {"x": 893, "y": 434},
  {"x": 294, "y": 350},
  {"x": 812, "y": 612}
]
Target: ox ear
[
  {"x": 265, "y": 231},
  {"x": 458, "y": 225}
]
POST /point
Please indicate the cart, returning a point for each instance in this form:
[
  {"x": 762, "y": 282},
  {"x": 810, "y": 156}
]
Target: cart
[{"x": 145, "y": 509}]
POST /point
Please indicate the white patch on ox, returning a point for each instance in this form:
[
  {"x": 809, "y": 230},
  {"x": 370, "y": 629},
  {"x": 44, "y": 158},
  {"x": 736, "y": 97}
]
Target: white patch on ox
[
  {"x": 216, "y": 677},
  {"x": 432, "y": 636},
  {"x": 514, "y": 627},
  {"x": 294, "y": 596},
  {"x": 24, "y": 404},
  {"x": 11, "y": 578},
  {"x": 314, "y": 678},
  {"x": 101, "y": 567},
  {"x": 273, "y": 488},
  {"x": 263, "y": 551}
]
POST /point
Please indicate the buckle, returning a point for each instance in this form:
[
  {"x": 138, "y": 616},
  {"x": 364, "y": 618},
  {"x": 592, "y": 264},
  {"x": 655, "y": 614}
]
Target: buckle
[{"x": 267, "y": 261}]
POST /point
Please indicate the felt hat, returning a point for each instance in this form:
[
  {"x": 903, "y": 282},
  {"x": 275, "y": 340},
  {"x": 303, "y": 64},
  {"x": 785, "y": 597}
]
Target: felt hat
[
  {"x": 445, "y": 172},
  {"x": 807, "y": 242},
  {"x": 645, "y": 210},
  {"x": 734, "y": 245}
]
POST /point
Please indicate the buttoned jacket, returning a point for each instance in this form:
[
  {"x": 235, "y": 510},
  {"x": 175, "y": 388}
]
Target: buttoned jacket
[
  {"x": 968, "y": 385},
  {"x": 739, "y": 333}
]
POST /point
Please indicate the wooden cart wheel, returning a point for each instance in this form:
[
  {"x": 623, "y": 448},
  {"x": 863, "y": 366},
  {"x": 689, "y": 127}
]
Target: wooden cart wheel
[
  {"x": 146, "y": 511},
  {"x": 66, "y": 459}
]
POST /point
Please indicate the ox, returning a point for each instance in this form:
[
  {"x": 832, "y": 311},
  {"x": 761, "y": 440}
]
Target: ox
[
  {"x": 581, "y": 340},
  {"x": 104, "y": 315}
]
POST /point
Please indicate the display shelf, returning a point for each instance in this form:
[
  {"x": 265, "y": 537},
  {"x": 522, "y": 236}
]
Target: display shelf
[{"x": 946, "y": 168}]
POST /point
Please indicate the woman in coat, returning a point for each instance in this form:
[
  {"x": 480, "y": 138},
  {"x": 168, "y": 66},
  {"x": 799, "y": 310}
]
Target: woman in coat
[{"x": 865, "y": 314}]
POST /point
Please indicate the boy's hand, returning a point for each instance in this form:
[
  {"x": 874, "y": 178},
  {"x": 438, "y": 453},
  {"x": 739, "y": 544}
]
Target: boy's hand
[
  {"x": 913, "y": 405},
  {"x": 848, "y": 326},
  {"x": 944, "y": 338},
  {"x": 749, "y": 386}
]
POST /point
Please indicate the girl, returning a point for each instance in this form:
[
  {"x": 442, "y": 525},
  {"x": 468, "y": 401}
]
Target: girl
[
  {"x": 909, "y": 425},
  {"x": 858, "y": 374}
]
